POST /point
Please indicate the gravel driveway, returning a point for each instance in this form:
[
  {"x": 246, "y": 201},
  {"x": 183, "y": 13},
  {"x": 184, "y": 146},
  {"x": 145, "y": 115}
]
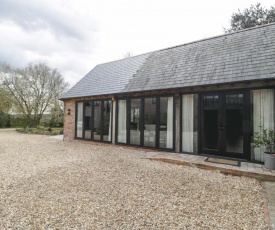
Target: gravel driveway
[{"x": 50, "y": 184}]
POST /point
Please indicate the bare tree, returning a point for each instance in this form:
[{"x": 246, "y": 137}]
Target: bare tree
[
  {"x": 33, "y": 89},
  {"x": 128, "y": 54},
  {"x": 5, "y": 100}
]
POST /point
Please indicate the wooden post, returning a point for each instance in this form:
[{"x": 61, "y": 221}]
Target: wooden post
[{"x": 114, "y": 121}]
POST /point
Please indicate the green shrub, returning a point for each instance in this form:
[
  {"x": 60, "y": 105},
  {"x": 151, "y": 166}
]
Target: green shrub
[
  {"x": 264, "y": 138},
  {"x": 41, "y": 130},
  {"x": 5, "y": 120}
]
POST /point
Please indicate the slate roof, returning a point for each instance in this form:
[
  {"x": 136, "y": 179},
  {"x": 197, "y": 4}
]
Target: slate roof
[{"x": 241, "y": 56}]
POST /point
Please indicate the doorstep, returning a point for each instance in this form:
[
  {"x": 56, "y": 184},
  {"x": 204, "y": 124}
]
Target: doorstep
[{"x": 246, "y": 169}]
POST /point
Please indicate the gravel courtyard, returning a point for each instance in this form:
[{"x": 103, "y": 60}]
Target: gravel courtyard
[{"x": 50, "y": 184}]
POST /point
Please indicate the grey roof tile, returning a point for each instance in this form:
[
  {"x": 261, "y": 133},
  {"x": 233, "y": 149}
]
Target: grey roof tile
[{"x": 240, "y": 56}]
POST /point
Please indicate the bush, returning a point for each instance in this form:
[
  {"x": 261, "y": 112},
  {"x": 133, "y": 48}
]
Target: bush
[
  {"x": 18, "y": 121},
  {"x": 41, "y": 130},
  {"x": 5, "y": 120}
]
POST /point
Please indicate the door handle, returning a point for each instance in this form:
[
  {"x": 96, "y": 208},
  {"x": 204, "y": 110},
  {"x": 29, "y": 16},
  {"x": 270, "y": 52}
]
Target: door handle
[{"x": 222, "y": 126}]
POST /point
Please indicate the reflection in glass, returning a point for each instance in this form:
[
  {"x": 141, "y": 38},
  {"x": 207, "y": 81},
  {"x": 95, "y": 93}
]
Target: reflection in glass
[
  {"x": 263, "y": 107},
  {"x": 149, "y": 122},
  {"x": 135, "y": 122},
  {"x": 121, "y": 129},
  {"x": 87, "y": 121},
  {"x": 97, "y": 120},
  {"x": 234, "y": 130},
  {"x": 107, "y": 120},
  {"x": 79, "y": 124},
  {"x": 190, "y": 122},
  {"x": 211, "y": 129},
  {"x": 211, "y": 100},
  {"x": 234, "y": 99},
  {"x": 166, "y": 122}
]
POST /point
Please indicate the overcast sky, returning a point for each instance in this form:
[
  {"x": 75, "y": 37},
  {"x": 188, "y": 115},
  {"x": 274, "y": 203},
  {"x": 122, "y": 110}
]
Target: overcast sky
[{"x": 75, "y": 35}]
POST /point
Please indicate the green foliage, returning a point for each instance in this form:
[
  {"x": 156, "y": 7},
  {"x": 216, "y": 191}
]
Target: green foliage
[
  {"x": 41, "y": 130},
  {"x": 57, "y": 115},
  {"x": 264, "y": 138},
  {"x": 5, "y": 120},
  {"x": 21, "y": 121},
  {"x": 254, "y": 16}
]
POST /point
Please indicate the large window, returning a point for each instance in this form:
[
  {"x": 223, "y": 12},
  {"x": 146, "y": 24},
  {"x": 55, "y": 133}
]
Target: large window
[
  {"x": 107, "y": 115},
  {"x": 97, "y": 120},
  {"x": 87, "y": 120},
  {"x": 79, "y": 120},
  {"x": 150, "y": 121},
  {"x": 189, "y": 123},
  {"x": 166, "y": 118},
  {"x": 135, "y": 121},
  {"x": 121, "y": 131},
  {"x": 93, "y": 119},
  {"x": 263, "y": 109},
  {"x": 146, "y": 121}
]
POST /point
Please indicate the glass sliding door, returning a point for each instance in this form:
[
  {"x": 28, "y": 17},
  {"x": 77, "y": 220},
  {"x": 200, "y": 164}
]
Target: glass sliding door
[
  {"x": 189, "y": 126},
  {"x": 94, "y": 120},
  {"x": 79, "y": 120},
  {"x": 263, "y": 115},
  {"x": 147, "y": 121},
  {"x": 150, "y": 121},
  {"x": 210, "y": 121},
  {"x": 121, "y": 120},
  {"x": 166, "y": 122},
  {"x": 224, "y": 124},
  {"x": 107, "y": 120},
  {"x": 88, "y": 120},
  {"x": 234, "y": 117},
  {"x": 135, "y": 121},
  {"x": 97, "y": 120}
]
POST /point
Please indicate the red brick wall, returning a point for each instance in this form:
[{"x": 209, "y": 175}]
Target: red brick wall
[{"x": 69, "y": 120}]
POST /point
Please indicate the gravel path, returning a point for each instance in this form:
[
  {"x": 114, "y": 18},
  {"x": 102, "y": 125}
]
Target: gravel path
[{"x": 50, "y": 184}]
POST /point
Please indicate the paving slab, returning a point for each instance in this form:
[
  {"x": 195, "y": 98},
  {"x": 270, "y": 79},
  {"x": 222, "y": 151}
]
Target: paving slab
[{"x": 270, "y": 190}]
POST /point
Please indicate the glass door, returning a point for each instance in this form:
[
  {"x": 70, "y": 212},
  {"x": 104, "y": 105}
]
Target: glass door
[
  {"x": 211, "y": 131},
  {"x": 223, "y": 121},
  {"x": 233, "y": 125}
]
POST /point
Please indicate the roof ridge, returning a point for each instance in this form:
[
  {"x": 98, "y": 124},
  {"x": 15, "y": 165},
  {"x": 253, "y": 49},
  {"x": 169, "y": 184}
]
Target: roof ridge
[
  {"x": 217, "y": 36},
  {"x": 192, "y": 42}
]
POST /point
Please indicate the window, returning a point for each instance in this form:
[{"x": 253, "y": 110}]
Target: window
[
  {"x": 79, "y": 120},
  {"x": 150, "y": 121},
  {"x": 146, "y": 121},
  {"x": 121, "y": 134},
  {"x": 88, "y": 120},
  {"x": 97, "y": 121},
  {"x": 189, "y": 122},
  {"x": 135, "y": 121},
  {"x": 166, "y": 117},
  {"x": 263, "y": 109},
  {"x": 107, "y": 115}
]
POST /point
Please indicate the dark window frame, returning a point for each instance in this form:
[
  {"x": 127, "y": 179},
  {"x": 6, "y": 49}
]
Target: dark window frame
[
  {"x": 128, "y": 111},
  {"x": 92, "y": 119}
]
